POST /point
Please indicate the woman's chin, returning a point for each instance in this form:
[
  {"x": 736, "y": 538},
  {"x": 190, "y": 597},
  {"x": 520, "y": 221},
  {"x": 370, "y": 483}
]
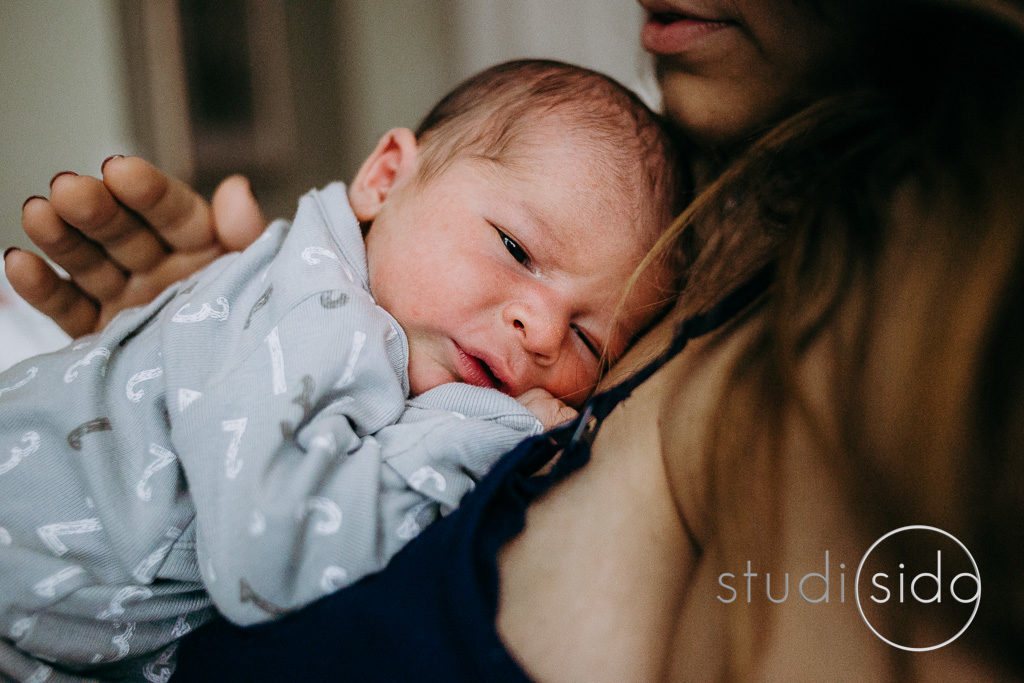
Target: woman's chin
[
  {"x": 701, "y": 117},
  {"x": 714, "y": 114}
]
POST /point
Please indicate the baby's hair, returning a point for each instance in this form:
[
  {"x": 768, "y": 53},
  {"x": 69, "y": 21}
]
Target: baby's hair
[{"x": 491, "y": 115}]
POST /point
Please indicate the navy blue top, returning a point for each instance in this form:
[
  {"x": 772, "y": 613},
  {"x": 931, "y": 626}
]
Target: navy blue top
[{"x": 429, "y": 615}]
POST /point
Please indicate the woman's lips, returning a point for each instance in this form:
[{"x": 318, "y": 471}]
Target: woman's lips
[
  {"x": 473, "y": 370},
  {"x": 669, "y": 33}
]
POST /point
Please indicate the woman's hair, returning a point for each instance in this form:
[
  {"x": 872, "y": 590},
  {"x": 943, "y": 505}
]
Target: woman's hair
[{"x": 894, "y": 211}]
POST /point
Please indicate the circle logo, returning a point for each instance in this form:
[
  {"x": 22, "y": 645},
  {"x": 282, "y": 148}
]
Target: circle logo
[{"x": 917, "y": 580}]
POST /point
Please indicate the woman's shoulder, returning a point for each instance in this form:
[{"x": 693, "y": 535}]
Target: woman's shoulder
[{"x": 598, "y": 576}]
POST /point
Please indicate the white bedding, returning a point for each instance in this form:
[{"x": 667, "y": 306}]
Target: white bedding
[{"x": 24, "y": 331}]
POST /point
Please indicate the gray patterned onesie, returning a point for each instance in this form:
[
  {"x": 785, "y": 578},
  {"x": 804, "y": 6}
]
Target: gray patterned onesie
[{"x": 244, "y": 443}]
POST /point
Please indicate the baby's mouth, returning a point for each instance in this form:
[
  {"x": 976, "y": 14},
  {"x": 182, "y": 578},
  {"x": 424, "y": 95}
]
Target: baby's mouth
[
  {"x": 475, "y": 371},
  {"x": 491, "y": 377}
]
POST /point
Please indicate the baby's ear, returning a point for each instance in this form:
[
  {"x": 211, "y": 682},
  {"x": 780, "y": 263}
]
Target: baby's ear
[{"x": 393, "y": 160}]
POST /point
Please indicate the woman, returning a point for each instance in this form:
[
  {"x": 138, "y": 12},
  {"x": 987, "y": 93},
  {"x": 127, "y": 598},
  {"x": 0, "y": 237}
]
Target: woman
[{"x": 867, "y": 379}]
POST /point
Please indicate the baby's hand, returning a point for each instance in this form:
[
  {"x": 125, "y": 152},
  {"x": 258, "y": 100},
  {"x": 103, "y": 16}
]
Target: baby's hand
[{"x": 549, "y": 410}]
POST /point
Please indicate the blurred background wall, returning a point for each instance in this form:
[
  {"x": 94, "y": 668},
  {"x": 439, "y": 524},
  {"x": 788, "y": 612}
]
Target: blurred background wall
[
  {"x": 62, "y": 98},
  {"x": 294, "y": 94}
]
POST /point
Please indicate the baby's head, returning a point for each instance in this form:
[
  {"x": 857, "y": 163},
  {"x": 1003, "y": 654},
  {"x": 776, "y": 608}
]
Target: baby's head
[{"x": 501, "y": 234}]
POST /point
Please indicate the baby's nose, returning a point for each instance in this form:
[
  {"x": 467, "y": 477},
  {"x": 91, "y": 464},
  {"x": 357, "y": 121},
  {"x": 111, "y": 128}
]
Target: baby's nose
[{"x": 540, "y": 330}]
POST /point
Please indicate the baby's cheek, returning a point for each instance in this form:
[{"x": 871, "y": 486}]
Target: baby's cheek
[{"x": 576, "y": 385}]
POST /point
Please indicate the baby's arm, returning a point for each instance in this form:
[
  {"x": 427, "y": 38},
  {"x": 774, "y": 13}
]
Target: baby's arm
[{"x": 306, "y": 478}]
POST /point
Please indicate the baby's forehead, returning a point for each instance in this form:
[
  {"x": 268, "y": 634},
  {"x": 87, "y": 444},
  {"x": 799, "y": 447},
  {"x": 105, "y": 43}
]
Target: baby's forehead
[
  {"x": 608, "y": 168},
  {"x": 552, "y": 132}
]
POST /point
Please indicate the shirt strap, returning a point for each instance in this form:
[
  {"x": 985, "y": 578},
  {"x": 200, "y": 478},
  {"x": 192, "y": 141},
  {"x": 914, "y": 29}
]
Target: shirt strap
[{"x": 581, "y": 431}]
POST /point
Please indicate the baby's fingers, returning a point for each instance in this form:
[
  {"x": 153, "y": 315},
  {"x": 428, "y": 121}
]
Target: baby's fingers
[
  {"x": 548, "y": 409},
  {"x": 40, "y": 286},
  {"x": 562, "y": 414}
]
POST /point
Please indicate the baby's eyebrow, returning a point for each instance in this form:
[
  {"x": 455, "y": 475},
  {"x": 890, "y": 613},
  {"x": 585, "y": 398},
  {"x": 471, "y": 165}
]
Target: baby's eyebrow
[{"x": 542, "y": 227}]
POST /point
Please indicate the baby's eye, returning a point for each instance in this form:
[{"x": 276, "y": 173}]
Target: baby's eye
[
  {"x": 587, "y": 342},
  {"x": 518, "y": 253}
]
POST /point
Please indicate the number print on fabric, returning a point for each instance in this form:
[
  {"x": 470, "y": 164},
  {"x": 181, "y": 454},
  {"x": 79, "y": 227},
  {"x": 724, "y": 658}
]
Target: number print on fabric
[
  {"x": 30, "y": 374},
  {"x": 51, "y": 533},
  {"x": 145, "y": 570},
  {"x": 247, "y": 595},
  {"x": 311, "y": 256},
  {"x": 305, "y": 401},
  {"x": 186, "y": 397},
  {"x": 232, "y": 463},
  {"x": 327, "y": 511},
  {"x": 99, "y": 424},
  {"x": 358, "y": 340},
  {"x": 424, "y": 474},
  {"x": 101, "y": 365},
  {"x": 160, "y": 669},
  {"x": 18, "y": 453},
  {"x": 161, "y": 459},
  {"x": 333, "y": 298},
  {"x": 135, "y": 395},
  {"x": 122, "y": 641},
  {"x": 181, "y": 628},
  {"x": 205, "y": 312},
  {"x": 22, "y": 626},
  {"x": 47, "y": 588},
  {"x": 410, "y": 526},
  {"x": 260, "y": 303},
  {"x": 126, "y": 594},
  {"x": 276, "y": 362},
  {"x": 333, "y": 578}
]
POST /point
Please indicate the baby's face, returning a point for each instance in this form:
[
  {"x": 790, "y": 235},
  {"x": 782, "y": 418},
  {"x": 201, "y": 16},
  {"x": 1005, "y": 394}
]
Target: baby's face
[{"x": 510, "y": 278}]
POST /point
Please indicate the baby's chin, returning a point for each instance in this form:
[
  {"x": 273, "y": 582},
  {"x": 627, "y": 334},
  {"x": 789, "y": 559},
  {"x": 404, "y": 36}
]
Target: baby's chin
[{"x": 423, "y": 379}]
